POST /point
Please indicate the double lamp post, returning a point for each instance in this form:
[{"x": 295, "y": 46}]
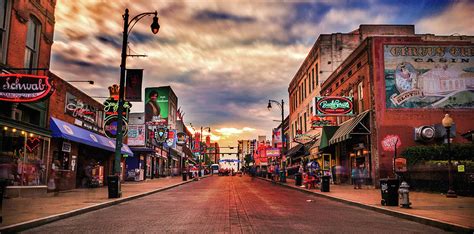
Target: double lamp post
[
  {"x": 282, "y": 153},
  {"x": 155, "y": 27}
]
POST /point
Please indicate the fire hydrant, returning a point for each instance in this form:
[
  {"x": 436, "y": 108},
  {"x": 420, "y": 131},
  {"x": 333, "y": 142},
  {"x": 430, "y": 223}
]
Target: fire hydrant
[{"x": 404, "y": 193}]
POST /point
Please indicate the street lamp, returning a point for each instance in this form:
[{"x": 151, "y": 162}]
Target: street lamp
[
  {"x": 201, "y": 153},
  {"x": 447, "y": 123},
  {"x": 91, "y": 82},
  {"x": 282, "y": 107},
  {"x": 155, "y": 27}
]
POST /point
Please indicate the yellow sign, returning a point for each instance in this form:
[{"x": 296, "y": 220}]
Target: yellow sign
[{"x": 461, "y": 168}]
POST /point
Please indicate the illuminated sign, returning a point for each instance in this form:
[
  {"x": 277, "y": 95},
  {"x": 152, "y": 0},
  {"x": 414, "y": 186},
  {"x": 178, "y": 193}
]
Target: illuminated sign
[
  {"x": 334, "y": 105},
  {"x": 111, "y": 117},
  {"x": 24, "y": 88},
  {"x": 181, "y": 138},
  {"x": 317, "y": 122},
  {"x": 273, "y": 152}
]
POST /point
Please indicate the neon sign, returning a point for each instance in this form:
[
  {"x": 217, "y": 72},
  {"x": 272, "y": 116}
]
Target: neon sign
[
  {"x": 111, "y": 117},
  {"x": 334, "y": 106},
  {"x": 24, "y": 87}
]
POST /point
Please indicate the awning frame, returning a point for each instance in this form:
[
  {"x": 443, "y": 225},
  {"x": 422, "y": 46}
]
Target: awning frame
[{"x": 346, "y": 129}]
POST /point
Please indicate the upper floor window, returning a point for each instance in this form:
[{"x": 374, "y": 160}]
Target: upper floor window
[
  {"x": 5, "y": 12},
  {"x": 32, "y": 44},
  {"x": 360, "y": 96}
]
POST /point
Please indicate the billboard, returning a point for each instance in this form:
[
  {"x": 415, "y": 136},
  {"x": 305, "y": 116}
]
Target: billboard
[
  {"x": 429, "y": 76},
  {"x": 161, "y": 105}
]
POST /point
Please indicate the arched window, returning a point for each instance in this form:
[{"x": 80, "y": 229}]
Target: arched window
[
  {"x": 32, "y": 44},
  {"x": 5, "y": 12}
]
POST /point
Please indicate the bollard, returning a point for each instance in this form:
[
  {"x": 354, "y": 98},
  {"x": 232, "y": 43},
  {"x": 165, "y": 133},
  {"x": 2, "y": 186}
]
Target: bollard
[{"x": 404, "y": 195}]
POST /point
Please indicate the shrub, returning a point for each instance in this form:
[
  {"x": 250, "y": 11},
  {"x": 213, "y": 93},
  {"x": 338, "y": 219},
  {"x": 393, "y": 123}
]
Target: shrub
[{"x": 423, "y": 153}]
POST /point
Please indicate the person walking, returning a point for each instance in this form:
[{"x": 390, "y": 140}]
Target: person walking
[
  {"x": 365, "y": 176},
  {"x": 355, "y": 175}
]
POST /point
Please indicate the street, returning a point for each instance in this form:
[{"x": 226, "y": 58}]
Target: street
[{"x": 232, "y": 205}]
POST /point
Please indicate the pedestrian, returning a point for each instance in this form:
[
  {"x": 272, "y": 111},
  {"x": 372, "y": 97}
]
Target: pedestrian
[
  {"x": 277, "y": 172},
  {"x": 365, "y": 175},
  {"x": 355, "y": 175}
]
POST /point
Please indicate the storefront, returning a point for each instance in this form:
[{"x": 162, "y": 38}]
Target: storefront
[{"x": 82, "y": 158}]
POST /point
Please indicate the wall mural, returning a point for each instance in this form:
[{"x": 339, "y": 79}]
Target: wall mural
[{"x": 429, "y": 76}]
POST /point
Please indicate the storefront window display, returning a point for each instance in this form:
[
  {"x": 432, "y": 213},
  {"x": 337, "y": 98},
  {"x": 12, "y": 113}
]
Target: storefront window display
[{"x": 22, "y": 157}]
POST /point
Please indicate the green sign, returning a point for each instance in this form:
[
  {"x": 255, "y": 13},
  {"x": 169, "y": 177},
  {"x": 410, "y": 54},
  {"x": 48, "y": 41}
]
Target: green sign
[
  {"x": 461, "y": 168},
  {"x": 156, "y": 104}
]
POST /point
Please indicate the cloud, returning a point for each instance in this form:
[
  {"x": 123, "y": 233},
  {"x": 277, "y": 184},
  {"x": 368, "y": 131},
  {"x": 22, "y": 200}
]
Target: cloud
[
  {"x": 234, "y": 131},
  {"x": 457, "y": 18}
]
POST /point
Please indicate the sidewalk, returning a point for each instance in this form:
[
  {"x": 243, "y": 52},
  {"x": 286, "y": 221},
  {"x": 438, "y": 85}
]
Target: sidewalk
[
  {"x": 19, "y": 210},
  {"x": 429, "y": 208}
]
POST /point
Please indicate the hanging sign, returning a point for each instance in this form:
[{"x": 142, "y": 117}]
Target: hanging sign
[
  {"x": 24, "y": 87},
  {"x": 273, "y": 152},
  {"x": 181, "y": 138},
  {"x": 319, "y": 122},
  {"x": 111, "y": 117},
  {"x": 133, "y": 89},
  {"x": 334, "y": 105},
  {"x": 400, "y": 164}
]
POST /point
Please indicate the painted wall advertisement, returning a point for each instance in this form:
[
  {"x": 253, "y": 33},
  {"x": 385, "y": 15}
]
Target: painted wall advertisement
[
  {"x": 136, "y": 135},
  {"x": 429, "y": 76},
  {"x": 160, "y": 106}
]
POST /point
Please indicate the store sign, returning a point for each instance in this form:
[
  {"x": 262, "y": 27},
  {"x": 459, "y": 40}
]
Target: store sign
[
  {"x": 334, "y": 105},
  {"x": 401, "y": 164},
  {"x": 390, "y": 142},
  {"x": 79, "y": 109},
  {"x": 136, "y": 135},
  {"x": 317, "y": 122},
  {"x": 111, "y": 117},
  {"x": 24, "y": 88},
  {"x": 66, "y": 147},
  {"x": 273, "y": 152}
]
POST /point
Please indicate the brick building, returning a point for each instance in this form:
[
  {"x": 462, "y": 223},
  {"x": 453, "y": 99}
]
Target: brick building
[
  {"x": 398, "y": 83},
  {"x": 26, "y": 37}
]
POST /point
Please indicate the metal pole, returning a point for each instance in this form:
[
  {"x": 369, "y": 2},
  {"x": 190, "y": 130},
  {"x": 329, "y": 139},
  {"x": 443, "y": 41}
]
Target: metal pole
[
  {"x": 118, "y": 143},
  {"x": 282, "y": 178},
  {"x": 451, "y": 192}
]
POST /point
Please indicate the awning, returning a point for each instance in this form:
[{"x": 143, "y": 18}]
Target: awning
[
  {"x": 74, "y": 133},
  {"x": 326, "y": 134},
  {"x": 346, "y": 129},
  {"x": 297, "y": 150}
]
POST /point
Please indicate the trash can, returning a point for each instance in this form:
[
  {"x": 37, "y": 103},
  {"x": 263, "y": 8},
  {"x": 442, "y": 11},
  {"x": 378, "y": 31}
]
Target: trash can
[
  {"x": 3, "y": 187},
  {"x": 113, "y": 182},
  {"x": 325, "y": 183},
  {"x": 185, "y": 176},
  {"x": 298, "y": 179},
  {"x": 282, "y": 177},
  {"x": 270, "y": 175},
  {"x": 389, "y": 189},
  {"x": 264, "y": 174}
]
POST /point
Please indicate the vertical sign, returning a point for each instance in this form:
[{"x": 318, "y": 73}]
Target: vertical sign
[{"x": 133, "y": 90}]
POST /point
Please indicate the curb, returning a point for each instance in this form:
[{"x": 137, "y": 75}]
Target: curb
[
  {"x": 52, "y": 218},
  {"x": 419, "y": 219}
]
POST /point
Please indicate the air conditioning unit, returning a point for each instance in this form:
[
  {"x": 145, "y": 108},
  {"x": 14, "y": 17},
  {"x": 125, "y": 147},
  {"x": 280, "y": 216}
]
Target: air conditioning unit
[{"x": 425, "y": 133}]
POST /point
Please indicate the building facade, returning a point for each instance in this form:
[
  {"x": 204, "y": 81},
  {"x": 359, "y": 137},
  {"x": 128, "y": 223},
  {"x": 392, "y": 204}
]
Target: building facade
[
  {"x": 26, "y": 37},
  {"x": 398, "y": 83}
]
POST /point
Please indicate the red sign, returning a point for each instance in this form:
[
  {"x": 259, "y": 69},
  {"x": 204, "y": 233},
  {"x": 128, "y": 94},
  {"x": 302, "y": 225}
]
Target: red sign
[
  {"x": 334, "y": 105},
  {"x": 389, "y": 142},
  {"x": 24, "y": 88},
  {"x": 401, "y": 164}
]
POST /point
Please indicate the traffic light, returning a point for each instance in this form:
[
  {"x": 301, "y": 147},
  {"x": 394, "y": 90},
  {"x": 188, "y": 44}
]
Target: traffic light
[{"x": 425, "y": 133}]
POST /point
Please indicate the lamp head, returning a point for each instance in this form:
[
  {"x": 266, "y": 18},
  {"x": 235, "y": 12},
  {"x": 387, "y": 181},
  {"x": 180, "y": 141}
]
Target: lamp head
[
  {"x": 447, "y": 121},
  {"x": 91, "y": 82},
  {"x": 155, "y": 26},
  {"x": 269, "y": 105}
]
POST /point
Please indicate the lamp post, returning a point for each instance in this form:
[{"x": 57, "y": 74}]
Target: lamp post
[
  {"x": 155, "y": 27},
  {"x": 201, "y": 153},
  {"x": 447, "y": 123},
  {"x": 282, "y": 153}
]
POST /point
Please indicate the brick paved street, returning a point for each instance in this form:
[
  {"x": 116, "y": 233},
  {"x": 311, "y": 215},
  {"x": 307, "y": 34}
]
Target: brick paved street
[{"x": 233, "y": 205}]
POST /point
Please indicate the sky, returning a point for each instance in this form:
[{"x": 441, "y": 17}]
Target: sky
[{"x": 224, "y": 59}]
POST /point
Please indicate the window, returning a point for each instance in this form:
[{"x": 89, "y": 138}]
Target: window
[
  {"x": 305, "y": 123},
  {"x": 5, "y": 12},
  {"x": 309, "y": 83},
  {"x": 304, "y": 88},
  {"x": 360, "y": 96},
  {"x": 317, "y": 75},
  {"x": 312, "y": 77},
  {"x": 32, "y": 44}
]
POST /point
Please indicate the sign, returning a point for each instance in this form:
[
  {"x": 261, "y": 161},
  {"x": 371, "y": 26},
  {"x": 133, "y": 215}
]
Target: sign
[
  {"x": 161, "y": 103},
  {"x": 170, "y": 142},
  {"x": 66, "y": 147},
  {"x": 333, "y": 105},
  {"x": 273, "y": 152},
  {"x": 400, "y": 164},
  {"x": 429, "y": 76},
  {"x": 181, "y": 138},
  {"x": 111, "y": 117},
  {"x": 136, "y": 135},
  {"x": 24, "y": 87},
  {"x": 388, "y": 143},
  {"x": 461, "y": 168},
  {"x": 276, "y": 136},
  {"x": 133, "y": 89},
  {"x": 78, "y": 109},
  {"x": 319, "y": 122}
]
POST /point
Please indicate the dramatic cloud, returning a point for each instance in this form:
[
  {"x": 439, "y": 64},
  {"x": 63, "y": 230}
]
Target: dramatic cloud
[{"x": 223, "y": 59}]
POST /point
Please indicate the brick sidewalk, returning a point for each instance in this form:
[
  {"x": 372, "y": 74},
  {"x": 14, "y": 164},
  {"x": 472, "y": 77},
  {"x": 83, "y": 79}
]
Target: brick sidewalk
[
  {"x": 18, "y": 210},
  {"x": 458, "y": 211}
]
